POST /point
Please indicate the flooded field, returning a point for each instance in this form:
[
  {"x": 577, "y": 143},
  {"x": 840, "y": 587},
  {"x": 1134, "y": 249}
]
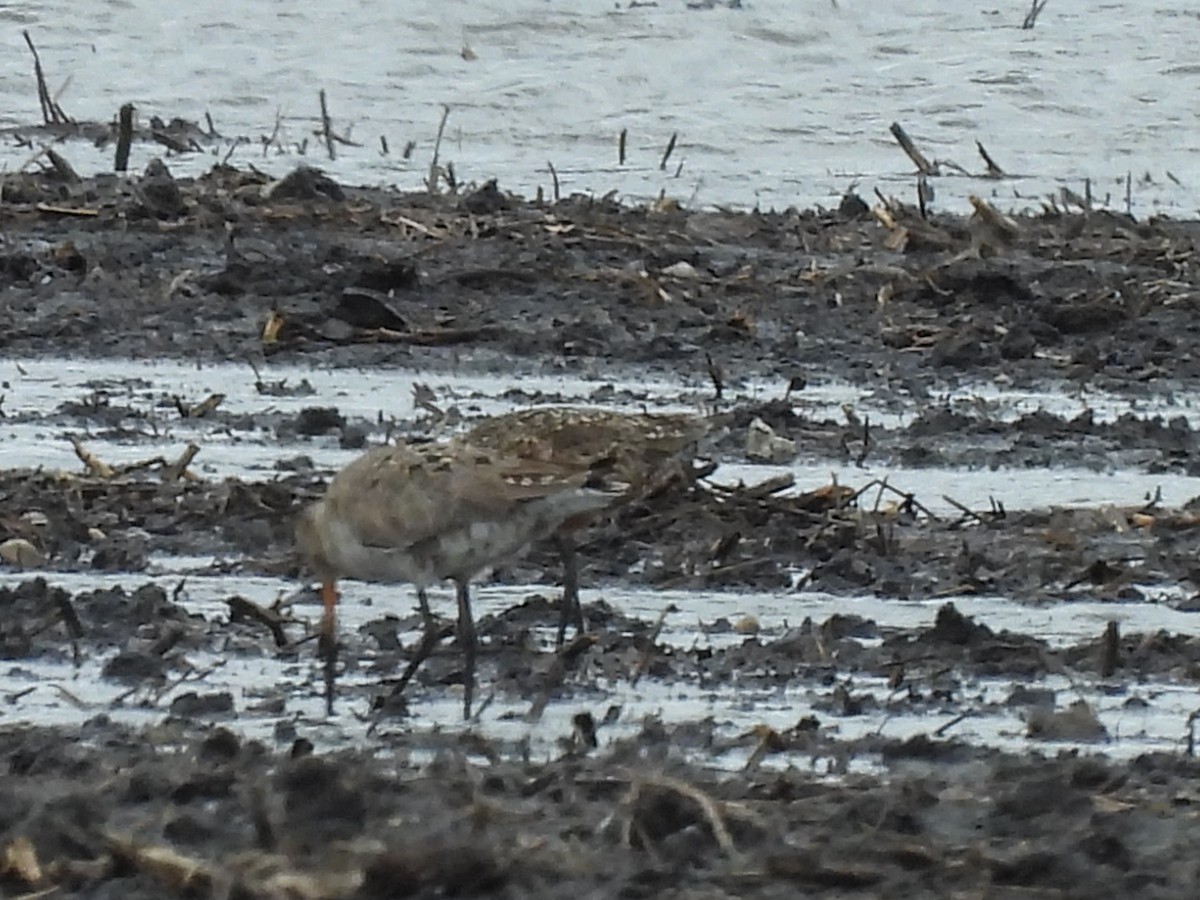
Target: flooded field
[
  {"x": 127, "y": 413},
  {"x": 924, "y": 620},
  {"x": 797, "y": 112}
]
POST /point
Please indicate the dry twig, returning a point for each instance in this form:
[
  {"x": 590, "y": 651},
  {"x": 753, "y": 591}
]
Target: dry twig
[
  {"x": 707, "y": 805},
  {"x": 431, "y": 182},
  {"x": 52, "y": 113},
  {"x": 327, "y": 128},
  {"x": 1035, "y": 10},
  {"x": 924, "y": 166}
]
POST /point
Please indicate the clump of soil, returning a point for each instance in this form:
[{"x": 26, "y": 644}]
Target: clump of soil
[
  {"x": 233, "y": 266},
  {"x": 305, "y": 269},
  {"x": 182, "y": 813}
]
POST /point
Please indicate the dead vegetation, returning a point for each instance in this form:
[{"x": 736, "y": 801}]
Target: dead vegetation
[
  {"x": 192, "y": 812},
  {"x": 315, "y": 271}
]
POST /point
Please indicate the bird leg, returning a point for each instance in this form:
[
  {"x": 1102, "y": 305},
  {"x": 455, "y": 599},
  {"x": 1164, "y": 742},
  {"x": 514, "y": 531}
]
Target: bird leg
[
  {"x": 431, "y": 636},
  {"x": 467, "y": 642},
  {"x": 427, "y": 621},
  {"x": 571, "y": 612},
  {"x": 327, "y": 647}
]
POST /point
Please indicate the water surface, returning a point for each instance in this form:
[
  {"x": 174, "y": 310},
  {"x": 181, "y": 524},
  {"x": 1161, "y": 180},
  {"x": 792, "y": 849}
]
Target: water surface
[
  {"x": 1141, "y": 716},
  {"x": 778, "y": 103}
]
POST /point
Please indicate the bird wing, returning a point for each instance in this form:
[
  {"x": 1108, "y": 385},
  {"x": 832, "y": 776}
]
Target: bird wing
[
  {"x": 582, "y": 434},
  {"x": 401, "y": 495}
]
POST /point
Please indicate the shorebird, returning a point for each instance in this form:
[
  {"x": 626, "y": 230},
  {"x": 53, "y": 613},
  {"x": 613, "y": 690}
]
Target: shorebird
[
  {"x": 425, "y": 513},
  {"x": 640, "y": 450}
]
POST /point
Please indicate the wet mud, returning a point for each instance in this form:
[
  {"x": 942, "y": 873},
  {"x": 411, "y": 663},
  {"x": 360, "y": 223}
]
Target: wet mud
[
  {"x": 207, "y": 814},
  {"x": 209, "y": 267},
  {"x": 190, "y": 809},
  {"x": 874, "y": 539},
  {"x": 232, "y": 267}
]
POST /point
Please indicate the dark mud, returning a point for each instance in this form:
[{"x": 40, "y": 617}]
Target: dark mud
[
  {"x": 141, "y": 636},
  {"x": 189, "y": 810},
  {"x": 208, "y": 267},
  {"x": 207, "y": 814},
  {"x": 977, "y": 435},
  {"x": 232, "y": 267}
]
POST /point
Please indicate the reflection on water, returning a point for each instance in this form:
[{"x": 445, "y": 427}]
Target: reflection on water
[
  {"x": 1139, "y": 718},
  {"x": 778, "y": 103},
  {"x": 33, "y": 433}
]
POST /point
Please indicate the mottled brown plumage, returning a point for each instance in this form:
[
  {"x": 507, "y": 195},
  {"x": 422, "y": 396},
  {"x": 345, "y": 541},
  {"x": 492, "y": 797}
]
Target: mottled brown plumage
[
  {"x": 425, "y": 513},
  {"x": 637, "y": 451},
  {"x": 637, "y": 447}
]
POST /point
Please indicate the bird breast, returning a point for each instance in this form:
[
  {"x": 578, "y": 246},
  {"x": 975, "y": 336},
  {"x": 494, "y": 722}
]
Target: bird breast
[{"x": 460, "y": 549}]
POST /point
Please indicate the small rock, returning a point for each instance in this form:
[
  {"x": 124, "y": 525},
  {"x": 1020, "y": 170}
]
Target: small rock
[
  {"x": 193, "y": 704},
  {"x": 354, "y": 437},
  {"x": 1078, "y": 722},
  {"x": 317, "y": 420},
  {"x": 485, "y": 200},
  {"x": 134, "y": 666},
  {"x": 160, "y": 194},
  {"x": 220, "y": 746},
  {"x": 305, "y": 183},
  {"x": 681, "y": 269},
  {"x": 21, "y": 554},
  {"x": 746, "y": 625},
  {"x": 764, "y": 444}
]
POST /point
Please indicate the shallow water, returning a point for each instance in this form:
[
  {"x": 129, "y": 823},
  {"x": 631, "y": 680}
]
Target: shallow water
[
  {"x": 1140, "y": 718},
  {"x": 777, "y": 103},
  {"x": 35, "y": 434}
]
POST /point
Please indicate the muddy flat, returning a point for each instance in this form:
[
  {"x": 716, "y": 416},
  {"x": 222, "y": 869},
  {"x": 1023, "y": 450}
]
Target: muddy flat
[{"x": 918, "y": 622}]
